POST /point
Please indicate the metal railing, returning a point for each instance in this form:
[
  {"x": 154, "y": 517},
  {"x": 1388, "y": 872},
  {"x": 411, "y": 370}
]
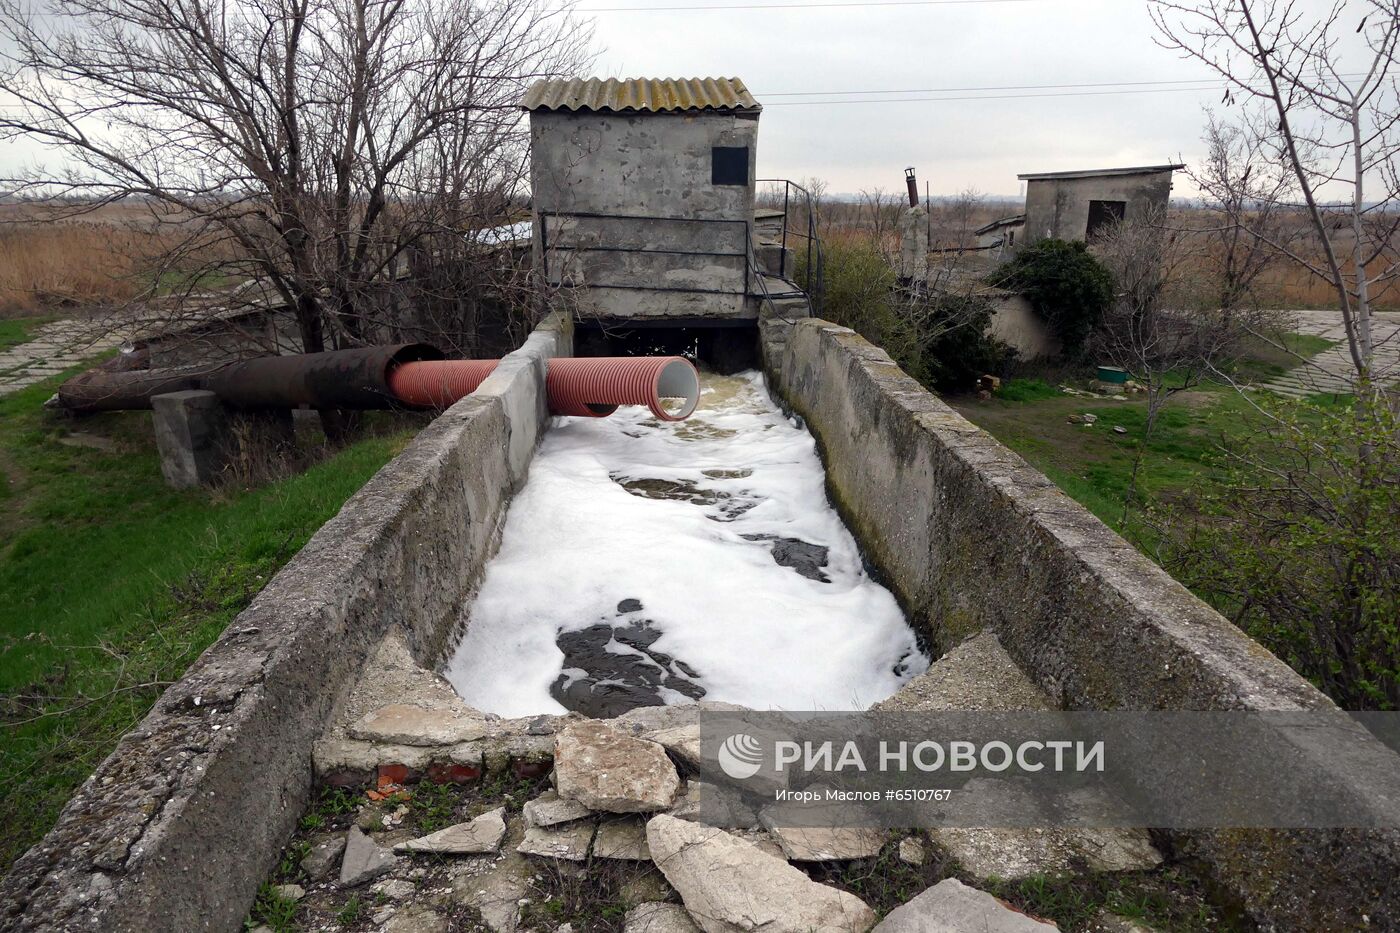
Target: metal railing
[{"x": 813, "y": 271}]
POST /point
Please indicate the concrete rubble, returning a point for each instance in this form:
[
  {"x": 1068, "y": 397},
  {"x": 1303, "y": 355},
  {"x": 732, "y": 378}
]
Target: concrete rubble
[
  {"x": 978, "y": 674},
  {"x": 728, "y": 884},
  {"x": 605, "y": 769},
  {"x": 320, "y": 862},
  {"x": 483, "y": 834},
  {"x": 363, "y": 861},
  {"x": 569, "y": 841},
  {"x": 827, "y": 844},
  {"x": 714, "y": 804},
  {"x": 427, "y": 731},
  {"x": 952, "y": 907},
  {"x": 1011, "y": 854},
  {"x": 550, "y": 809},
  {"x": 624, "y": 839},
  {"x": 658, "y": 918},
  {"x": 417, "y": 724}
]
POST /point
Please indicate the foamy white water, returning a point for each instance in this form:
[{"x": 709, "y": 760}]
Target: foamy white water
[{"x": 717, "y": 611}]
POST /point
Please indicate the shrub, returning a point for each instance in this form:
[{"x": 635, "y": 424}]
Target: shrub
[
  {"x": 940, "y": 339},
  {"x": 1065, "y": 284},
  {"x": 1301, "y": 546},
  {"x": 957, "y": 349}
]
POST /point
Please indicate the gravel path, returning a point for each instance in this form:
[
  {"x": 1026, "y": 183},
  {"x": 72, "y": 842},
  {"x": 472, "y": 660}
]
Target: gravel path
[{"x": 56, "y": 346}]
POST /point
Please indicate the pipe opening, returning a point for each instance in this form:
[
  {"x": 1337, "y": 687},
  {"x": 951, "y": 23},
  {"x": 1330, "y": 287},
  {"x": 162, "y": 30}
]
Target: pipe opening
[{"x": 677, "y": 390}]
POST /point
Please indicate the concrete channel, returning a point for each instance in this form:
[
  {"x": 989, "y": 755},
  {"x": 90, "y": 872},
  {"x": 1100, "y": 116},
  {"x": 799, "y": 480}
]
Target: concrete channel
[{"x": 178, "y": 827}]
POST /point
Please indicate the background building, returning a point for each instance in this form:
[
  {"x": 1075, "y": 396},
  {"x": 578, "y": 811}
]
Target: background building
[
  {"x": 643, "y": 195},
  {"x": 1077, "y": 205}
]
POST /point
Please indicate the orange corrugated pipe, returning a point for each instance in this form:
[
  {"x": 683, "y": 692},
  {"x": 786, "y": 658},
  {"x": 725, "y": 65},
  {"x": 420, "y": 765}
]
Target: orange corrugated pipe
[{"x": 588, "y": 387}]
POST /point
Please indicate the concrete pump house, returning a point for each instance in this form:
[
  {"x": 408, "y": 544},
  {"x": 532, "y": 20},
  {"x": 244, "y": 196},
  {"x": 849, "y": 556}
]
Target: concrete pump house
[{"x": 643, "y": 194}]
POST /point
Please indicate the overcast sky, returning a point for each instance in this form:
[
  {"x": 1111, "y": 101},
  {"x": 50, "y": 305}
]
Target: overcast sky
[
  {"x": 804, "y": 63},
  {"x": 955, "y": 144}
]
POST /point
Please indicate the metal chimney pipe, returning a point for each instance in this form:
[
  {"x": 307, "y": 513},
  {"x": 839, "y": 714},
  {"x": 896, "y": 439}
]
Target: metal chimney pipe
[{"x": 913, "y": 185}]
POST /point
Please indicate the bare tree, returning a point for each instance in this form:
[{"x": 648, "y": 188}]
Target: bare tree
[
  {"x": 1159, "y": 328},
  {"x": 312, "y": 149},
  {"x": 1246, "y": 195},
  {"x": 1330, "y": 90},
  {"x": 819, "y": 200},
  {"x": 881, "y": 210}
]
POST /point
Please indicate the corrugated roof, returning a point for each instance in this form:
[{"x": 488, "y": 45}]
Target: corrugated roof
[
  {"x": 653, "y": 95},
  {"x": 1102, "y": 172}
]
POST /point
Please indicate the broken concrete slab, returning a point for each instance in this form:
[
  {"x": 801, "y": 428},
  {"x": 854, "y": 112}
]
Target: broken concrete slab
[
  {"x": 646, "y": 719},
  {"x": 976, "y": 675},
  {"x": 952, "y": 907},
  {"x": 549, "y": 809},
  {"x": 723, "y": 806},
  {"x": 623, "y": 839},
  {"x": 494, "y": 886},
  {"x": 483, "y": 834},
  {"x": 1015, "y": 853},
  {"x": 323, "y": 857},
  {"x": 827, "y": 844},
  {"x": 760, "y": 840},
  {"x": 363, "y": 860},
  {"x": 604, "y": 769},
  {"x": 683, "y": 742},
  {"x": 419, "y": 725},
  {"x": 728, "y": 884},
  {"x": 658, "y": 918},
  {"x": 569, "y": 841}
]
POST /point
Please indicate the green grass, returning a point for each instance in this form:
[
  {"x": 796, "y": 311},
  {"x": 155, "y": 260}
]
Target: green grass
[
  {"x": 1093, "y": 464},
  {"x": 111, "y": 583},
  {"x": 15, "y": 331},
  {"x": 273, "y": 910},
  {"x": 1027, "y": 390},
  {"x": 1262, "y": 362}
]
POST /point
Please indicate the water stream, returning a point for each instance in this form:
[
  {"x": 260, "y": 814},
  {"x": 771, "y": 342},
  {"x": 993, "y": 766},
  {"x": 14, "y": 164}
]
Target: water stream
[{"x": 647, "y": 563}]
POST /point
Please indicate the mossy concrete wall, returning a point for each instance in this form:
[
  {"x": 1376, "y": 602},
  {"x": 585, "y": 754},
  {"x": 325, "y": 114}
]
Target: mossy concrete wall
[
  {"x": 970, "y": 537},
  {"x": 175, "y": 830}
]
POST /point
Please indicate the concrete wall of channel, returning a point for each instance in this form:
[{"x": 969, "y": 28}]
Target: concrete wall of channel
[
  {"x": 176, "y": 829},
  {"x": 970, "y": 537},
  {"x": 625, "y": 204}
]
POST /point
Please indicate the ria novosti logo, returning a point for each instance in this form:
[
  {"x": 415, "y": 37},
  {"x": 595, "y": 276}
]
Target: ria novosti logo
[{"x": 740, "y": 756}]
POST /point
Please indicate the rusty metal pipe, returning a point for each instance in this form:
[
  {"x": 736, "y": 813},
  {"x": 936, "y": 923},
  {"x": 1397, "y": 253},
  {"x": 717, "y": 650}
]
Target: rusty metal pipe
[
  {"x": 587, "y": 387},
  {"x": 388, "y": 377},
  {"x": 355, "y": 379}
]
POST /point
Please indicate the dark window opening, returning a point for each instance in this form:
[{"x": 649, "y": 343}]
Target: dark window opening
[
  {"x": 1103, "y": 215},
  {"x": 729, "y": 165}
]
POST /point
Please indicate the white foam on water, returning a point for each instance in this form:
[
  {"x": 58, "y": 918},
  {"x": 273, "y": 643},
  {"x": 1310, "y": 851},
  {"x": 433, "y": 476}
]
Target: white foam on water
[{"x": 761, "y": 635}]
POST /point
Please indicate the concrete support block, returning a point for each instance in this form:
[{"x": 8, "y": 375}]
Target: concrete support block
[
  {"x": 192, "y": 437},
  {"x": 776, "y": 260}
]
